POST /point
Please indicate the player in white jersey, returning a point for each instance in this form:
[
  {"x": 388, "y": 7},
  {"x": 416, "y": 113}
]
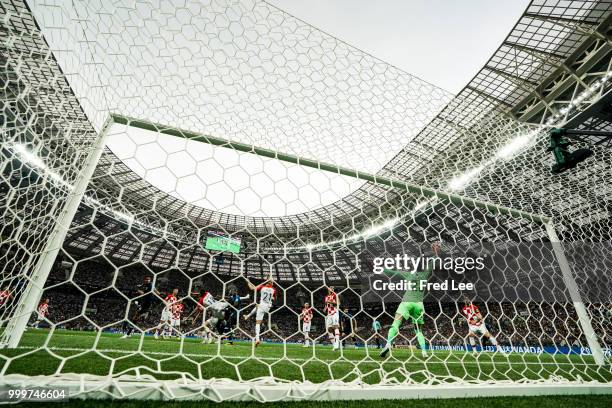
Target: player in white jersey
[
  {"x": 306, "y": 317},
  {"x": 217, "y": 310},
  {"x": 267, "y": 294},
  {"x": 476, "y": 325},
  {"x": 165, "y": 321}
]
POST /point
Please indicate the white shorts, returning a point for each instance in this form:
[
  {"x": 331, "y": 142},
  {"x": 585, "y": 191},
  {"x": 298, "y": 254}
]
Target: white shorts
[
  {"x": 40, "y": 316},
  {"x": 479, "y": 330},
  {"x": 217, "y": 312},
  {"x": 262, "y": 309},
  {"x": 166, "y": 316},
  {"x": 212, "y": 322},
  {"x": 332, "y": 320},
  {"x": 176, "y": 322},
  {"x": 306, "y": 327},
  {"x": 218, "y": 308}
]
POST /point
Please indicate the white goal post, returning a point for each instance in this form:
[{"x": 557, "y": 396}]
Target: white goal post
[
  {"x": 36, "y": 280},
  {"x": 271, "y": 389}
]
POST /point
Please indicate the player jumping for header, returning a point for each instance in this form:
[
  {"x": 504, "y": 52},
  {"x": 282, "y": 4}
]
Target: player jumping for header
[
  {"x": 198, "y": 310},
  {"x": 217, "y": 310},
  {"x": 267, "y": 294},
  {"x": 411, "y": 308}
]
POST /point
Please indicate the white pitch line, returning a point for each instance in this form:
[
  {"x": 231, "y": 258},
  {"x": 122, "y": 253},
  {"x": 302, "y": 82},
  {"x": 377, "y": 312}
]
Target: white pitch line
[
  {"x": 288, "y": 359},
  {"x": 195, "y": 340}
]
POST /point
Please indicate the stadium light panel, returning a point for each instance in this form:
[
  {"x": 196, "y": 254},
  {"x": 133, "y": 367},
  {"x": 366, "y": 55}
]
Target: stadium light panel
[
  {"x": 33, "y": 160},
  {"x": 461, "y": 181},
  {"x": 516, "y": 145},
  {"x": 29, "y": 157}
]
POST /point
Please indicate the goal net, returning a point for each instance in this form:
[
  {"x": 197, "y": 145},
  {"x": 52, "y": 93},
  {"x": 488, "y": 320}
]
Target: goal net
[{"x": 219, "y": 201}]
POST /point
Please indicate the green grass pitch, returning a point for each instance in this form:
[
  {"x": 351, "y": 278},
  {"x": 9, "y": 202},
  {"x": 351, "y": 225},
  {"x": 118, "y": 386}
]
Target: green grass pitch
[{"x": 168, "y": 359}]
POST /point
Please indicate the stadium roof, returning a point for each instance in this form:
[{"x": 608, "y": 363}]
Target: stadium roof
[{"x": 485, "y": 143}]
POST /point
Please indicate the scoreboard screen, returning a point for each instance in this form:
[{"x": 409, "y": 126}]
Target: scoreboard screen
[{"x": 219, "y": 241}]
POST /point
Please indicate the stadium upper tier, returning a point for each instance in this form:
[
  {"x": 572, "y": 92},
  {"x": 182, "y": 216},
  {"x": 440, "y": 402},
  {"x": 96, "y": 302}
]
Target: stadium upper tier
[{"x": 487, "y": 142}]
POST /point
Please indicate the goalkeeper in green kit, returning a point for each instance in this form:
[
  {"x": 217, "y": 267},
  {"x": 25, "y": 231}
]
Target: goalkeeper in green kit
[{"x": 411, "y": 308}]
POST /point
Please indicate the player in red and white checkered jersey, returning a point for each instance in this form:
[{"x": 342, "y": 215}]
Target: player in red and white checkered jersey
[
  {"x": 332, "y": 320},
  {"x": 205, "y": 300},
  {"x": 165, "y": 321},
  {"x": 177, "y": 310},
  {"x": 41, "y": 312},
  {"x": 5, "y": 296},
  {"x": 306, "y": 317},
  {"x": 476, "y": 325}
]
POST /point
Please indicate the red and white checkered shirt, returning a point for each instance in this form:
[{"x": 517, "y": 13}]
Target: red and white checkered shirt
[
  {"x": 331, "y": 304},
  {"x": 5, "y": 295},
  {"x": 43, "y": 309},
  {"x": 306, "y": 314},
  {"x": 177, "y": 310},
  {"x": 471, "y": 313},
  {"x": 206, "y": 300},
  {"x": 170, "y": 300}
]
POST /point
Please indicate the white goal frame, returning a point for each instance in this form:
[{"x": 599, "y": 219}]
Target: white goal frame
[
  {"x": 269, "y": 390},
  {"x": 89, "y": 386}
]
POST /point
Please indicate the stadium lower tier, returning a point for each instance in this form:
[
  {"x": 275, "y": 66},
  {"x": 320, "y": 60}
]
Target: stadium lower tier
[{"x": 515, "y": 325}]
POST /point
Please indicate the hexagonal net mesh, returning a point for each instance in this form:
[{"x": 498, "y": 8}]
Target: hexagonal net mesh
[{"x": 197, "y": 203}]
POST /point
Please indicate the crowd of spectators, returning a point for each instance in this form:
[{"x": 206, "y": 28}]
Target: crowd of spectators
[
  {"x": 98, "y": 296},
  {"x": 535, "y": 324}
]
